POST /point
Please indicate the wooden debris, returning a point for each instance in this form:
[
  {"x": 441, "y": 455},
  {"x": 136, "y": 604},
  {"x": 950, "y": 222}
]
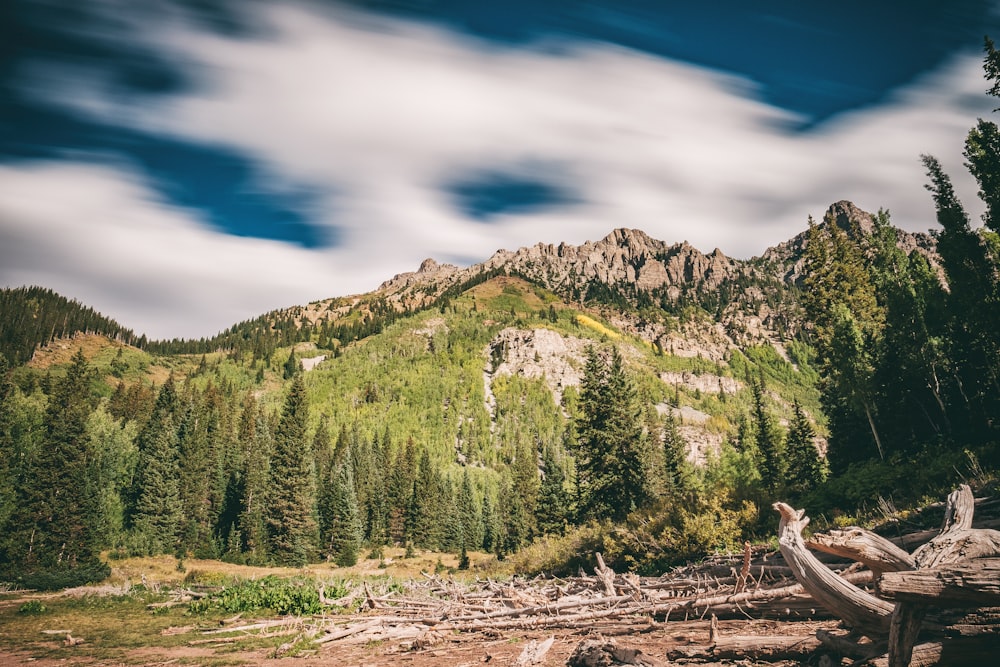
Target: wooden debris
[
  {"x": 607, "y": 652},
  {"x": 860, "y": 610},
  {"x": 960, "y": 567},
  {"x": 534, "y": 652}
]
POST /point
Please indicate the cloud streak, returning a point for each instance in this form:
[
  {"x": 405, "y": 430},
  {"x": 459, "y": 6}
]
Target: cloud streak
[{"x": 377, "y": 116}]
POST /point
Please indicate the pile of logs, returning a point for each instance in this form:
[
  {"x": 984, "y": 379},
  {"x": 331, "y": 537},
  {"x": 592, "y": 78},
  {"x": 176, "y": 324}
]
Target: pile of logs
[{"x": 948, "y": 589}]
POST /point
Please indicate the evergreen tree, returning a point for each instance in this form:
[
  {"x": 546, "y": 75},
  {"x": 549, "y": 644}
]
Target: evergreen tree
[
  {"x": 674, "y": 453},
  {"x": 157, "y": 511},
  {"x": 340, "y": 520},
  {"x": 769, "y": 444},
  {"x": 255, "y": 436},
  {"x": 611, "y": 445},
  {"x": 52, "y": 527},
  {"x": 552, "y": 510},
  {"x": 423, "y": 526},
  {"x": 805, "y": 465},
  {"x": 469, "y": 514},
  {"x": 973, "y": 309},
  {"x": 291, "y": 524},
  {"x": 292, "y": 366}
]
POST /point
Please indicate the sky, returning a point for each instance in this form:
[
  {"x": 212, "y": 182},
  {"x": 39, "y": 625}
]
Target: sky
[{"x": 184, "y": 165}]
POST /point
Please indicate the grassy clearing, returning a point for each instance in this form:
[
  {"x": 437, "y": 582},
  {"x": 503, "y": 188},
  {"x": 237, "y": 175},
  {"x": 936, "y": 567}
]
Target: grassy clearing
[{"x": 116, "y": 623}]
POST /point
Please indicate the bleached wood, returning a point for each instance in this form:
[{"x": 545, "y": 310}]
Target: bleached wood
[
  {"x": 876, "y": 552},
  {"x": 858, "y": 609}
]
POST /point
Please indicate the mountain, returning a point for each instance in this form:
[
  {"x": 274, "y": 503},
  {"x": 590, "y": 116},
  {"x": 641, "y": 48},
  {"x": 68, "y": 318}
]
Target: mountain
[
  {"x": 709, "y": 315},
  {"x": 446, "y": 386}
]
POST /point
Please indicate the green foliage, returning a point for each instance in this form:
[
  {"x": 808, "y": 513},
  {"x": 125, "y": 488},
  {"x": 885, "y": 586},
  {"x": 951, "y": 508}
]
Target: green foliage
[
  {"x": 612, "y": 449},
  {"x": 283, "y": 596},
  {"x": 291, "y": 493},
  {"x": 51, "y": 530},
  {"x": 35, "y": 316},
  {"x": 32, "y": 607}
]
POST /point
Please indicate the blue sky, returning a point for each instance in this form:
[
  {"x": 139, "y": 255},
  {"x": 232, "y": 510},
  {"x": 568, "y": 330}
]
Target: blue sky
[{"x": 183, "y": 165}]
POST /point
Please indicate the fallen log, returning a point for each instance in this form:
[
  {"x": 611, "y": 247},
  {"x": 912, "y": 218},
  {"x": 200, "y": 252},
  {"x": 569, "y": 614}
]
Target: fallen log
[
  {"x": 876, "y": 552},
  {"x": 968, "y": 584},
  {"x": 860, "y": 610},
  {"x": 763, "y": 647}
]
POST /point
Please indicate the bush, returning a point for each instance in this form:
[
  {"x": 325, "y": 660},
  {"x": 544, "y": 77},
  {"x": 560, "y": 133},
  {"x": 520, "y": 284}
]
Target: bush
[
  {"x": 32, "y": 607},
  {"x": 283, "y": 596},
  {"x": 53, "y": 580}
]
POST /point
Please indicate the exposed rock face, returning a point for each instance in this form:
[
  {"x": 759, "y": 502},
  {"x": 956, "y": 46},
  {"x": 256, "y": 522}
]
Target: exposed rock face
[
  {"x": 537, "y": 353},
  {"x": 627, "y": 256},
  {"x": 788, "y": 258}
]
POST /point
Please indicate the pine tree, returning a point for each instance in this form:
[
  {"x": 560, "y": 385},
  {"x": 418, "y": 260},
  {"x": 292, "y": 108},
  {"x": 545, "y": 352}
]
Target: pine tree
[
  {"x": 553, "y": 510},
  {"x": 973, "y": 308},
  {"x": 157, "y": 512},
  {"x": 805, "y": 465},
  {"x": 340, "y": 520},
  {"x": 292, "y": 366},
  {"x": 52, "y": 526},
  {"x": 291, "y": 524},
  {"x": 255, "y": 436},
  {"x": 469, "y": 514},
  {"x": 674, "y": 453},
  {"x": 611, "y": 444},
  {"x": 772, "y": 461}
]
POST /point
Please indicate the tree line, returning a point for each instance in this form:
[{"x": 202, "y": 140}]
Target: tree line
[{"x": 909, "y": 351}]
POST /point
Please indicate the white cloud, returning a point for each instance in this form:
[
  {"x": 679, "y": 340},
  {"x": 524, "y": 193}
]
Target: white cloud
[
  {"x": 98, "y": 235},
  {"x": 379, "y": 113}
]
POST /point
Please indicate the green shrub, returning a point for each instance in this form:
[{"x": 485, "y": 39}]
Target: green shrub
[
  {"x": 53, "y": 580},
  {"x": 32, "y": 607},
  {"x": 282, "y": 596}
]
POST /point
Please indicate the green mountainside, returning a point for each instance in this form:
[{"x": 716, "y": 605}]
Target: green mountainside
[{"x": 473, "y": 409}]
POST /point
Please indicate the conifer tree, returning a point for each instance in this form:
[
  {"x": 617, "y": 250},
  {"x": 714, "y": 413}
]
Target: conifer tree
[
  {"x": 255, "y": 436},
  {"x": 552, "y": 510},
  {"x": 611, "y": 445},
  {"x": 772, "y": 462},
  {"x": 674, "y": 453},
  {"x": 973, "y": 308},
  {"x": 291, "y": 499},
  {"x": 805, "y": 465},
  {"x": 292, "y": 366},
  {"x": 52, "y": 527},
  {"x": 469, "y": 514},
  {"x": 340, "y": 521},
  {"x": 157, "y": 512}
]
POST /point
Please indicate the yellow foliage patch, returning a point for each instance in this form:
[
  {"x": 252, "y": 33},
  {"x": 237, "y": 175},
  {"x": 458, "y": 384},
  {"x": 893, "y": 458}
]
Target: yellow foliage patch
[{"x": 597, "y": 326}]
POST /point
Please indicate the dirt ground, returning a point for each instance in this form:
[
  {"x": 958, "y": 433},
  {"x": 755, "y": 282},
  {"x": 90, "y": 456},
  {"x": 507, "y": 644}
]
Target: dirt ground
[{"x": 661, "y": 641}]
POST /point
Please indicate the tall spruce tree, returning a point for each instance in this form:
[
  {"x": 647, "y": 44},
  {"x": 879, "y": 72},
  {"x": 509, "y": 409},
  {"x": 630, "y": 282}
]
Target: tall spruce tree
[
  {"x": 291, "y": 499},
  {"x": 973, "y": 308},
  {"x": 611, "y": 444},
  {"x": 805, "y": 465},
  {"x": 52, "y": 528},
  {"x": 257, "y": 443},
  {"x": 157, "y": 512},
  {"x": 552, "y": 510},
  {"x": 769, "y": 442},
  {"x": 340, "y": 520}
]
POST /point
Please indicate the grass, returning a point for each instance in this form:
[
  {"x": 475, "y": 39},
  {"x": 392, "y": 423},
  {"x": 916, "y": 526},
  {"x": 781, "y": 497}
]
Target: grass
[{"x": 117, "y": 625}]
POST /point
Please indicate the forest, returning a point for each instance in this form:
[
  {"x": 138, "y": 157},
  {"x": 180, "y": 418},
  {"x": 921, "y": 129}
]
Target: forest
[{"x": 227, "y": 448}]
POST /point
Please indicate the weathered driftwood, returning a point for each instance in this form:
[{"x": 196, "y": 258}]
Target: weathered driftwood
[
  {"x": 534, "y": 652},
  {"x": 968, "y": 584},
  {"x": 602, "y": 653},
  {"x": 860, "y": 610},
  {"x": 956, "y": 568},
  {"x": 763, "y": 647},
  {"x": 958, "y": 541},
  {"x": 876, "y": 552}
]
